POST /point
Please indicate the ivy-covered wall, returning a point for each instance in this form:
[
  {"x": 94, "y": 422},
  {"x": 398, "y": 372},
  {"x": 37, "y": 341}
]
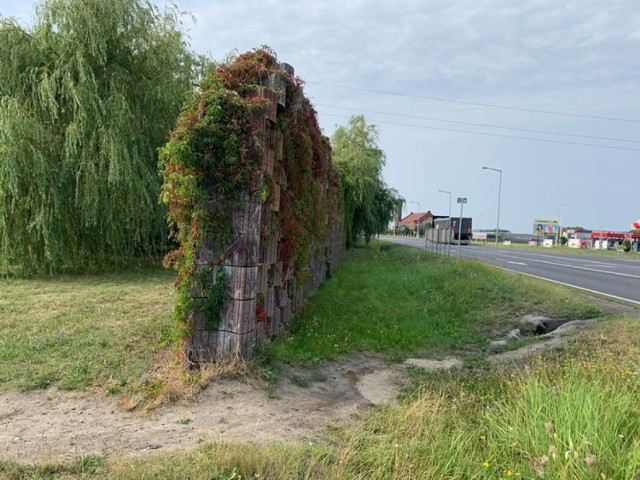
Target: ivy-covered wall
[{"x": 253, "y": 200}]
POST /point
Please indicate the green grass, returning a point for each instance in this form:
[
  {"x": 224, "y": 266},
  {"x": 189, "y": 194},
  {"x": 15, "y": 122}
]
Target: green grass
[
  {"x": 85, "y": 467},
  {"x": 78, "y": 331},
  {"x": 83, "y": 330},
  {"x": 399, "y": 301}
]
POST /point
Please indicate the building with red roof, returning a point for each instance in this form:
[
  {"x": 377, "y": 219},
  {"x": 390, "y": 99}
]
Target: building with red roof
[{"x": 413, "y": 219}]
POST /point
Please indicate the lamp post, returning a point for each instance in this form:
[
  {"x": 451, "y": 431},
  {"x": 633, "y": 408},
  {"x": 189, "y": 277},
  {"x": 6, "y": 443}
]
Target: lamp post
[
  {"x": 445, "y": 191},
  {"x": 417, "y": 221},
  {"x": 560, "y": 222},
  {"x": 499, "y": 191}
]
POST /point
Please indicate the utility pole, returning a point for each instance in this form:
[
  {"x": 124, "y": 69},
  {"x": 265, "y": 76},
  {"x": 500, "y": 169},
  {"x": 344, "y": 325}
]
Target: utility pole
[{"x": 499, "y": 190}]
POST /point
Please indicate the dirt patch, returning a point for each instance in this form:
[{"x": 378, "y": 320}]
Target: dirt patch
[
  {"x": 381, "y": 386},
  {"x": 57, "y": 426},
  {"x": 432, "y": 365}
]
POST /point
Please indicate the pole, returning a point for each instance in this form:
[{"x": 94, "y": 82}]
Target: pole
[
  {"x": 460, "y": 227},
  {"x": 559, "y": 238},
  {"x": 498, "y": 220},
  {"x": 448, "y": 192},
  {"x": 417, "y": 221},
  {"x": 499, "y": 193}
]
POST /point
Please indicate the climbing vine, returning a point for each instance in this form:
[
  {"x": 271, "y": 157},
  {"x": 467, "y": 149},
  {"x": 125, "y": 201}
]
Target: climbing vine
[{"x": 214, "y": 160}]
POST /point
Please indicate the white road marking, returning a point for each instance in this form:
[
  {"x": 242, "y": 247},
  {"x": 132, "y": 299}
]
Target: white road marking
[
  {"x": 622, "y": 260},
  {"x": 516, "y": 263},
  {"x": 574, "y": 286},
  {"x": 628, "y": 275},
  {"x": 600, "y": 263}
]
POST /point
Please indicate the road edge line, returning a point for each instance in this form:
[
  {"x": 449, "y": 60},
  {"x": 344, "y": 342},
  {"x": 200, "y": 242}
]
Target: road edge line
[{"x": 635, "y": 302}]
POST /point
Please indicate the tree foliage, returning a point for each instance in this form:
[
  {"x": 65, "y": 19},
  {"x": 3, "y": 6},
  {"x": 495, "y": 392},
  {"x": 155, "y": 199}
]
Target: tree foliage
[
  {"x": 368, "y": 203},
  {"x": 87, "y": 95}
]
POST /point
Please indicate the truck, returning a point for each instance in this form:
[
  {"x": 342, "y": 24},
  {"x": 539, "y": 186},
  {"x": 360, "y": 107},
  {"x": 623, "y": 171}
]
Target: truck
[{"x": 453, "y": 223}]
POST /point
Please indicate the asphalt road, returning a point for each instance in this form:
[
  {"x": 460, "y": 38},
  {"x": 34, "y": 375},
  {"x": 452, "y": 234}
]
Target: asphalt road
[{"x": 617, "y": 277}]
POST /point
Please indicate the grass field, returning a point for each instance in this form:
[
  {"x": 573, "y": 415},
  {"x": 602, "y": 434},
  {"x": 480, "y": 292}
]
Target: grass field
[
  {"x": 83, "y": 330},
  {"x": 572, "y": 414},
  {"x": 105, "y": 330}
]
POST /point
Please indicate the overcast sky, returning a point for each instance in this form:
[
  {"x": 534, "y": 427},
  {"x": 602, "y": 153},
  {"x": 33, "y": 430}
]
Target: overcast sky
[{"x": 580, "y": 57}]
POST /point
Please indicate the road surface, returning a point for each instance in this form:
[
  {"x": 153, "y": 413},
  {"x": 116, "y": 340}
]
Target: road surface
[{"x": 617, "y": 277}]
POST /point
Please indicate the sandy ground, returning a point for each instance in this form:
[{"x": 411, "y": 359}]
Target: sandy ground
[{"x": 53, "y": 425}]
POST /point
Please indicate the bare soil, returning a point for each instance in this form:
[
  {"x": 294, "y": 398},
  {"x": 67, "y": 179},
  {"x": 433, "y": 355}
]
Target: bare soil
[{"x": 56, "y": 426}]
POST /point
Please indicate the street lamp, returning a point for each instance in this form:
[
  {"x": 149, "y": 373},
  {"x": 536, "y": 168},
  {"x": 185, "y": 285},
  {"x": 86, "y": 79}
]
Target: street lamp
[
  {"x": 445, "y": 191},
  {"x": 560, "y": 222},
  {"x": 417, "y": 221},
  {"x": 499, "y": 190}
]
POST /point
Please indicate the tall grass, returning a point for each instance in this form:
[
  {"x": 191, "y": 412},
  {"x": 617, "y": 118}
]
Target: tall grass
[{"x": 573, "y": 416}]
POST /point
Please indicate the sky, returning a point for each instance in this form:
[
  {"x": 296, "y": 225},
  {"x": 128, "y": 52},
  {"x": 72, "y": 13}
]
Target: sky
[{"x": 397, "y": 61}]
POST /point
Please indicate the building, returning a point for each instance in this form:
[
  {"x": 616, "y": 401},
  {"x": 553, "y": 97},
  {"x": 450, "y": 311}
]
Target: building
[{"x": 410, "y": 221}]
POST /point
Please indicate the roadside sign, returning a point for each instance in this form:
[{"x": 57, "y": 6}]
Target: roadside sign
[{"x": 545, "y": 227}]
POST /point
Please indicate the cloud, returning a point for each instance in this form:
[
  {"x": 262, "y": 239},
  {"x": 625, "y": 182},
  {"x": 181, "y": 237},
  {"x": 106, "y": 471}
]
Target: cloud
[{"x": 571, "y": 55}]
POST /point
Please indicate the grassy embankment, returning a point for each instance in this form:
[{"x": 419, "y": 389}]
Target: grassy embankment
[
  {"x": 573, "y": 415},
  {"x": 400, "y": 301}
]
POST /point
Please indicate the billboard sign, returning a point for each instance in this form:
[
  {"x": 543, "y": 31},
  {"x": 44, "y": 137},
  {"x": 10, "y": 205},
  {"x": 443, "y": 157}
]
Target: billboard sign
[{"x": 545, "y": 227}]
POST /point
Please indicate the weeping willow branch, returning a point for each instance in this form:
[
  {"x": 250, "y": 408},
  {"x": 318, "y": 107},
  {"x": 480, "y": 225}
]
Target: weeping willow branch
[{"x": 87, "y": 95}]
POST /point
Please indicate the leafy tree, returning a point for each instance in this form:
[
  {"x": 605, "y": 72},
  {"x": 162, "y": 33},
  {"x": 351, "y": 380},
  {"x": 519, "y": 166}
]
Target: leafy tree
[
  {"x": 87, "y": 95},
  {"x": 368, "y": 203}
]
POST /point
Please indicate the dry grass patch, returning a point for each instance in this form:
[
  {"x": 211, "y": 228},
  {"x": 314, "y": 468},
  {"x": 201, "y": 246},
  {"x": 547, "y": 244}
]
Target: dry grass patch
[{"x": 169, "y": 382}]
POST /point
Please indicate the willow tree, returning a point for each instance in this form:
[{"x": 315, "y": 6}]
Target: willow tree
[
  {"x": 87, "y": 95},
  {"x": 368, "y": 203}
]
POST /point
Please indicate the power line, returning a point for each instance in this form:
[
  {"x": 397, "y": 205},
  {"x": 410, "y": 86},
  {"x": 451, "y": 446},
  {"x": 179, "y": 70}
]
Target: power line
[
  {"x": 489, "y": 105},
  {"x": 548, "y": 132},
  {"x": 518, "y": 137}
]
